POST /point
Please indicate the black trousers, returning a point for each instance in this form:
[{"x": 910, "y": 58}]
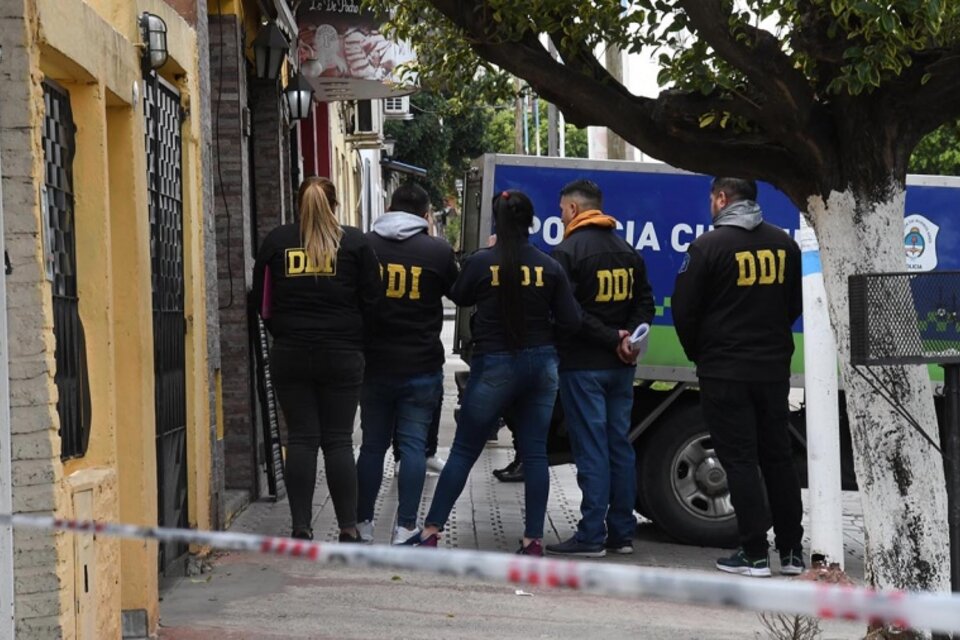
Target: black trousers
[
  {"x": 318, "y": 391},
  {"x": 748, "y": 424}
]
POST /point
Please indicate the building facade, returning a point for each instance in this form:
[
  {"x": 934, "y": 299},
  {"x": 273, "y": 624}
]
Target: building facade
[
  {"x": 261, "y": 154},
  {"x": 134, "y": 197},
  {"x": 113, "y": 352}
]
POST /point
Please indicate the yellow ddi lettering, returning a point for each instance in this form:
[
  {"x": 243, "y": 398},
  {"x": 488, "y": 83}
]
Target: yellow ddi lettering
[
  {"x": 297, "y": 264},
  {"x": 525, "y": 276},
  {"x": 761, "y": 267},
  {"x": 415, "y": 282},
  {"x": 614, "y": 285},
  {"x": 397, "y": 281},
  {"x": 768, "y": 269}
]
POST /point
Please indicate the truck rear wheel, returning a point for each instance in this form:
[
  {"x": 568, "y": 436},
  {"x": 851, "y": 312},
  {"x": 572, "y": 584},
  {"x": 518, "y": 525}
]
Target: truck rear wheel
[{"x": 684, "y": 488}]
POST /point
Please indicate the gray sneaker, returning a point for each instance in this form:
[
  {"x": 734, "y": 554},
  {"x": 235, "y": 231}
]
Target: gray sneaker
[
  {"x": 619, "y": 547},
  {"x": 791, "y": 563},
  {"x": 574, "y": 547},
  {"x": 365, "y": 530}
]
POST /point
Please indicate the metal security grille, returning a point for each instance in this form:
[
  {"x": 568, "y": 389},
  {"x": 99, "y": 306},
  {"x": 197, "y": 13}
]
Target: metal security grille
[
  {"x": 73, "y": 401},
  {"x": 164, "y": 168},
  {"x": 269, "y": 411},
  {"x": 905, "y": 318}
]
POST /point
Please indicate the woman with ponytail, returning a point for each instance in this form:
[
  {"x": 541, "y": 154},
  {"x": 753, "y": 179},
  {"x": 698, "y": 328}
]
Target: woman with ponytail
[
  {"x": 523, "y": 301},
  {"x": 317, "y": 283}
]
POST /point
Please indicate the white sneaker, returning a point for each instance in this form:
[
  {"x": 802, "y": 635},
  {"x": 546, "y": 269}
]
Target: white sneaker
[
  {"x": 402, "y": 534},
  {"x": 365, "y": 529},
  {"x": 435, "y": 464}
]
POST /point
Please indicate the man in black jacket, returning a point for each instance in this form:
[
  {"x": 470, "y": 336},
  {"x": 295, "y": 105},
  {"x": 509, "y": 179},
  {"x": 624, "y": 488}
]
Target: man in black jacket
[
  {"x": 403, "y": 383},
  {"x": 737, "y": 295},
  {"x": 597, "y": 370}
]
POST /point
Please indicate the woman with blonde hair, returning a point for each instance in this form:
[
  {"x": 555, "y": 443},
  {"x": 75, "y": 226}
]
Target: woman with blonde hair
[{"x": 316, "y": 284}]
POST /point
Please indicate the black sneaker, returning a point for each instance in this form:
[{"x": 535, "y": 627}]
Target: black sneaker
[
  {"x": 620, "y": 547},
  {"x": 302, "y": 533},
  {"x": 791, "y": 563},
  {"x": 513, "y": 472},
  {"x": 346, "y": 537},
  {"x": 507, "y": 469},
  {"x": 743, "y": 564},
  {"x": 574, "y": 547}
]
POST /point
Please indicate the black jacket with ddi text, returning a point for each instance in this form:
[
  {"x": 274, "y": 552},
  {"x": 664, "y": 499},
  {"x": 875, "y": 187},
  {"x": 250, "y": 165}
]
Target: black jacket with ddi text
[
  {"x": 736, "y": 298},
  {"x": 418, "y": 271},
  {"x": 328, "y": 307},
  {"x": 548, "y": 304},
  {"x": 609, "y": 281}
]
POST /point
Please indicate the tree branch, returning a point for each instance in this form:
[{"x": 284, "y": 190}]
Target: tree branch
[
  {"x": 764, "y": 63},
  {"x": 938, "y": 100},
  {"x": 666, "y": 128}
]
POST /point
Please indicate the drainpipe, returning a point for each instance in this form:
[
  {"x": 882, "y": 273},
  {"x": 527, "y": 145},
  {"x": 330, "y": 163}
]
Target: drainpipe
[{"x": 6, "y": 472}]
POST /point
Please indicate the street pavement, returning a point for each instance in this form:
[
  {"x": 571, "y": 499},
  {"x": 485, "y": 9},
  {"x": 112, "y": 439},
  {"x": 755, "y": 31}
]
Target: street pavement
[{"x": 243, "y": 596}]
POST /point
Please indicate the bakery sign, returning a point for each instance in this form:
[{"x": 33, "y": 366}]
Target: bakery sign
[{"x": 344, "y": 54}]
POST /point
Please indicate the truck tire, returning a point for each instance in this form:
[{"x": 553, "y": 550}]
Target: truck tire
[{"x": 684, "y": 488}]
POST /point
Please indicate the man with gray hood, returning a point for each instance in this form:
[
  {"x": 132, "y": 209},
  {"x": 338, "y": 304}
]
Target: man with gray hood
[
  {"x": 403, "y": 380},
  {"x": 737, "y": 295}
]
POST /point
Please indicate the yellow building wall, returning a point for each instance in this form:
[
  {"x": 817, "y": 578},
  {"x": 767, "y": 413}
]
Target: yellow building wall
[{"x": 116, "y": 479}]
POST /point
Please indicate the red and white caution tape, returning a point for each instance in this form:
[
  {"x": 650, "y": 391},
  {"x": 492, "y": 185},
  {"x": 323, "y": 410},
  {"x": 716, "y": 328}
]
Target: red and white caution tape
[{"x": 938, "y": 612}]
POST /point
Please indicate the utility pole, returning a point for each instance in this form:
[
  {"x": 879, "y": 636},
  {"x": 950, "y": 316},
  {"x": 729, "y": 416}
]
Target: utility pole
[
  {"x": 553, "y": 119},
  {"x": 553, "y": 135},
  {"x": 6, "y": 469},
  {"x": 536, "y": 123},
  {"x": 526, "y": 124},
  {"x": 616, "y": 147},
  {"x": 520, "y": 118}
]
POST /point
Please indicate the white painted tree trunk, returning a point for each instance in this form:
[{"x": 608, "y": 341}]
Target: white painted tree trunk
[{"x": 900, "y": 475}]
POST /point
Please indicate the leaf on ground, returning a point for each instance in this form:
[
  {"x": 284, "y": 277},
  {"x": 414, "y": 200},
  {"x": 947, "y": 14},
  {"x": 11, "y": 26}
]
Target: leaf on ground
[{"x": 828, "y": 573}]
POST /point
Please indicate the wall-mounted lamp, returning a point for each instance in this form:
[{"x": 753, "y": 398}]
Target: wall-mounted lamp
[
  {"x": 389, "y": 145},
  {"x": 299, "y": 95},
  {"x": 154, "y": 31},
  {"x": 270, "y": 47}
]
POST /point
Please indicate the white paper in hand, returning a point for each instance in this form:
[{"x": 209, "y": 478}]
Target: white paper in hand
[{"x": 638, "y": 339}]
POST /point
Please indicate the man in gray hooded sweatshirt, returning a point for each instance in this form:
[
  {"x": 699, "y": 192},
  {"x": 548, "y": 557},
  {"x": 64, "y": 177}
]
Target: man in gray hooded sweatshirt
[
  {"x": 403, "y": 379},
  {"x": 737, "y": 295}
]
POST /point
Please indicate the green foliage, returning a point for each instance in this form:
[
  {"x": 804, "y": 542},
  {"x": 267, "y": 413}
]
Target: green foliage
[
  {"x": 452, "y": 231},
  {"x": 442, "y": 137},
  {"x": 447, "y": 132},
  {"x": 500, "y": 136},
  {"x": 424, "y": 141},
  {"x": 847, "y": 46},
  {"x": 939, "y": 152}
]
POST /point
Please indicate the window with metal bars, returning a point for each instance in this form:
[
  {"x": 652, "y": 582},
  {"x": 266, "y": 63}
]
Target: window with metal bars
[{"x": 59, "y": 146}]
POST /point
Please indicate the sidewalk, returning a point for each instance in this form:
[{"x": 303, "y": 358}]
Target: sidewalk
[{"x": 266, "y": 597}]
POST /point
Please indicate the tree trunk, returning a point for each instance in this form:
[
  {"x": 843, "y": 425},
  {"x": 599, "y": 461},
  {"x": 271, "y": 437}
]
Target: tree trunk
[{"x": 901, "y": 478}]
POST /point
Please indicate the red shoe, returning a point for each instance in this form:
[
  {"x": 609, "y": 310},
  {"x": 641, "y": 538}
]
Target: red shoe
[
  {"x": 417, "y": 540},
  {"x": 535, "y": 548}
]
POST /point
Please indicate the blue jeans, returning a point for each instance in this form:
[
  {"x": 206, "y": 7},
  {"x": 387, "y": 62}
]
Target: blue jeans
[
  {"x": 405, "y": 404},
  {"x": 597, "y": 406},
  {"x": 526, "y": 381}
]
